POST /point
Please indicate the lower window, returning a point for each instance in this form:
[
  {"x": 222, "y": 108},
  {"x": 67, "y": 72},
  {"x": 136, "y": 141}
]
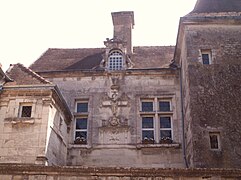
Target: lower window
[
  {"x": 154, "y": 131},
  {"x": 81, "y": 130}
]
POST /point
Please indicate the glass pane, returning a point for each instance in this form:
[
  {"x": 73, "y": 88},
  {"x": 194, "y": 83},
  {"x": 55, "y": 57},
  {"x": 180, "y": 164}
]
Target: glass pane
[
  {"x": 148, "y": 134},
  {"x": 164, "y": 106},
  {"x": 26, "y": 111},
  {"x": 205, "y": 58},
  {"x": 115, "y": 61},
  {"x": 214, "y": 141},
  {"x": 82, "y": 107},
  {"x": 81, "y": 123},
  {"x": 147, "y": 106},
  {"x": 166, "y": 134},
  {"x": 147, "y": 122},
  {"x": 165, "y": 122},
  {"x": 82, "y": 135}
]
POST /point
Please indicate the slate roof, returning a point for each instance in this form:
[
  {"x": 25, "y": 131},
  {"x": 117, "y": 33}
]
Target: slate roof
[
  {"x": 216, "y": 6},
  {"x": 22, "y": 75},
  {"x": 90, "y": 58}
]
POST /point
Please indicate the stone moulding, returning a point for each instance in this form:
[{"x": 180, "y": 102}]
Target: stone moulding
[
  {"x": 71, "y": 171},
  {"x": 16, "y": 120}
]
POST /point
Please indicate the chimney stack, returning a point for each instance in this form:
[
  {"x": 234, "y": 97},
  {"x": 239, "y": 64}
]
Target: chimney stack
[{"x": 123, "y": 24}]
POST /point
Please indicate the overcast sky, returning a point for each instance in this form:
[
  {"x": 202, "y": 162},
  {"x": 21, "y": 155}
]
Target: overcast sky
[{"x": 29, "y": 27}]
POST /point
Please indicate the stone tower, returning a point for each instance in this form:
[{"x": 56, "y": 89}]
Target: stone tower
[{"x": 208, "y": 53}]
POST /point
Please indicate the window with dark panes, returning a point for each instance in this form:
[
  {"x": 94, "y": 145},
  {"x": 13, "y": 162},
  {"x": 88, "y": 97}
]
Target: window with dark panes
[
  {"x": 214, "y": 141},
  {"x": 164, "y": 106},
  {"x": 147, "y": 128},
  {"x": 165, "y": 127},
  {"x": 156, "y": 118},
  {"x": 82, "y": 107},
  {"x": 147, "y": 106},
  {"x": 26, "y": 111},
  {"x": 81, "y": 129}
]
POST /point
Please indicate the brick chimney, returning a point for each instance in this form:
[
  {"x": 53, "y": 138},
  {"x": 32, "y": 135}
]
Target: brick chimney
[{"x": 123, "y": 24}]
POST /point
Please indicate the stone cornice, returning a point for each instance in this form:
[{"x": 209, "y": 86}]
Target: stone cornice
[{"x": 31, "y": 169}]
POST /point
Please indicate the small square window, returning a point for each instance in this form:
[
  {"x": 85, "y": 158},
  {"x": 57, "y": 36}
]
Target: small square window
[
  {"x": 206, "y": 56},
  {"x": 82, "y": 107},
  {"x": 147, "y": 106},
  {"x": 214, "y": 141},
  {"x": 164, "y": 106},
  {"x": 25, "y": 111}
]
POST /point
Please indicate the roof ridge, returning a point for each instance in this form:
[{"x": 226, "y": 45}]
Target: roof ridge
[{"x": 34, "y": 74}]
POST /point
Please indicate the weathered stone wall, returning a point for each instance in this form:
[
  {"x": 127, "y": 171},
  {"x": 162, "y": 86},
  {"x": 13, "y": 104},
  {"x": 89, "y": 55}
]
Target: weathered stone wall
[
  {"x": 214, "y": 92},
  {"x": 110, "y": 145},
  {"x": 24, "y": 140},
  {"x": 26, "y": 172}
]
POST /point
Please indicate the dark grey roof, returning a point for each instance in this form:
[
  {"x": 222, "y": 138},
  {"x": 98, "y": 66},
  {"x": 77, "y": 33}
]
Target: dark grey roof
[{"x": 216, "y": 6}]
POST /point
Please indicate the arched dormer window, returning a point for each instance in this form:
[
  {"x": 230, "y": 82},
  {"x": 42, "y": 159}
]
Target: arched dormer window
[{"x": 115, "y": 61}]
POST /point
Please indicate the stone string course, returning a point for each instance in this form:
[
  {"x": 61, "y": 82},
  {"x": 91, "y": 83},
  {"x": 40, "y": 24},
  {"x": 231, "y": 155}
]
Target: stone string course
[{"x": 38, "y": 172}]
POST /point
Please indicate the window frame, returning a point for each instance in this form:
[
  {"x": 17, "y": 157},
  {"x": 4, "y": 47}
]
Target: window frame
[
  {"x": 81, "y": 130},
  {"x": 21, "y": 106},
  {"x": 148, "y": 129},
  {"x": 157, "y": 114},
  {"x": 82, "y": 102},
  {"x": 218, "y": 141},
  {"x": 165, "y": 129},
  {"x": 115, "y": 60},
  {"x": 207, "y": 52},
  {"x": 164, "y": 100},
  {"x": 81, "y": 115}
]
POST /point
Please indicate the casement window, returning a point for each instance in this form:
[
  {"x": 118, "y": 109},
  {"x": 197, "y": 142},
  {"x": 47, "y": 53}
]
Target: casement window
[
  {"x": 81, "y": 122},
  {"x": 25, "y": 110},
  {"x": 156, "y": 120},
  {"x": 115, "y": 61},
  {"x": 206, "y": 56},
  {"x": 147, "y": 106},
  {"x": 214, "y": 141},
  {"x": 82, "y": 107},
  {"x": 81, "y": 130},
  {"x": 148, "y": 127}
]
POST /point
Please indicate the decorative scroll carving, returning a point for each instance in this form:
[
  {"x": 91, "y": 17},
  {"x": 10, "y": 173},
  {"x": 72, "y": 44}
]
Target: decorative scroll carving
[{"x": 114, "y": 102}]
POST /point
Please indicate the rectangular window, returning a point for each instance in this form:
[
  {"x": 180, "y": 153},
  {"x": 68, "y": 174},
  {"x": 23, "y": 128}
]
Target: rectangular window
[
  {"x": 25, "y": 110},
  {"x": 156, "y": 120},
  {"x": 148, "y": 128},
  {"x": 147, "y": 106},
  {"x": 82, "y": 107},
  {"x": 81, "y": 130},
  {"x": 206, "y": 56},
  {"x": 165, "y": 127},
  {"x": 164, "y": 106},
  {"x": 214, "y": 141}
]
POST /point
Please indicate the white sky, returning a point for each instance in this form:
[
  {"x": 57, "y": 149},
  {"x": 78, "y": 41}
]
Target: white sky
[{"x": 29, "y": 27}]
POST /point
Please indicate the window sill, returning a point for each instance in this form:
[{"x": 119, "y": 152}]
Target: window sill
[
  {"x": 85, "y": 146},
  {"x": 20, "y": 120},
  {"x": 80, "y": 113},
  {"x": 173, "y": 145},
  {"x": 154, "y": 112}
]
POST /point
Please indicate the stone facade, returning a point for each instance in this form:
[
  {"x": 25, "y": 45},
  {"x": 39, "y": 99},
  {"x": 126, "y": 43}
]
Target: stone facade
[
  {"x": 211, "y": 92},
  {"x": 31, "y": 131},
  {"x": 130, "y": 111}
]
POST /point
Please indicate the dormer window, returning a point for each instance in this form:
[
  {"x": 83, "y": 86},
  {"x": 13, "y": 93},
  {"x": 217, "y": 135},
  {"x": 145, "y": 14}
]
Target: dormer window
[{"x": 115, "y": 61}]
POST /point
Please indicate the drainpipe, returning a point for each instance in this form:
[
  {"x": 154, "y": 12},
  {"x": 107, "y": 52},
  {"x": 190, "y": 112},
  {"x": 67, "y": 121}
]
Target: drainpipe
[
  {"x": 173, "y": 65},
  {"x": 182, "y": 119}
]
